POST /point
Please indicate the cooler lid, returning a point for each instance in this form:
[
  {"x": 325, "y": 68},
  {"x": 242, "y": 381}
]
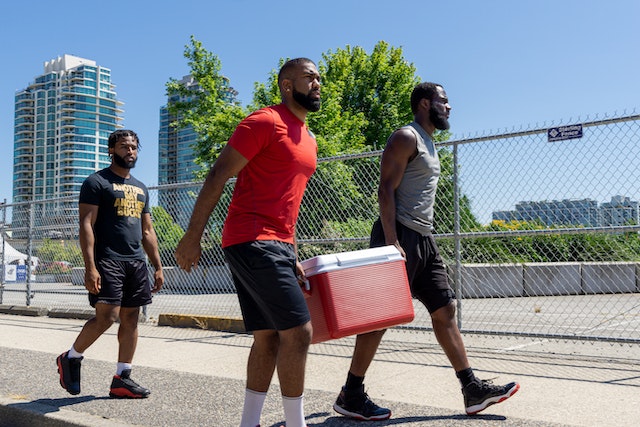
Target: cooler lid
[{"x": 330, "y": 262}]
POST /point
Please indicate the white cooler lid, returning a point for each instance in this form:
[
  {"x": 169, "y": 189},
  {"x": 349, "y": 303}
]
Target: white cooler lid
[{"x": 330, "y": 262}]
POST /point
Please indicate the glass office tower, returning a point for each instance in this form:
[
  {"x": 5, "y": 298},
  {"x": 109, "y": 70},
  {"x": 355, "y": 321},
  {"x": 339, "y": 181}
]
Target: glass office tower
[
  {"x": 62, "y": 123},
  {"x": 176, "y": 157}
]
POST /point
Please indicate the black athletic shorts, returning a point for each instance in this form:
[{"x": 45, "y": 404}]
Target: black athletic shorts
[
  {"x": 264, "y": 273},
  {"x": 124, "y": 283},
  {"x": 426, "y": 271}
]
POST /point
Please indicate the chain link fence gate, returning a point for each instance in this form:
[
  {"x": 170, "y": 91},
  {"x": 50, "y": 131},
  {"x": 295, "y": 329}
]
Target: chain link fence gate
[{"x": 538, "y": 228}]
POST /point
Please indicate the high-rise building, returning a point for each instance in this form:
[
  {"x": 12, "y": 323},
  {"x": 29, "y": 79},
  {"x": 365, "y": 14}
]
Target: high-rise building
[
  {"x": 62, "y": 122},
  {"x": 175, "y": 153},
  {"x": 176, "y": 156}
]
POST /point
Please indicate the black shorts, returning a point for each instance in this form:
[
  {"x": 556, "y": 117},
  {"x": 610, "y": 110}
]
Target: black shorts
[
  {"x": 264, "y": 273},
  {"x": 124, "y": 283},
  {"x": 426, "y": 271}
]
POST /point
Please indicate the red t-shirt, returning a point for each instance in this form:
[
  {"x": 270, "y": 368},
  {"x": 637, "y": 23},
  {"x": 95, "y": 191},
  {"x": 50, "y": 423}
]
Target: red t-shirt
[{"x": 282, "y": 157}]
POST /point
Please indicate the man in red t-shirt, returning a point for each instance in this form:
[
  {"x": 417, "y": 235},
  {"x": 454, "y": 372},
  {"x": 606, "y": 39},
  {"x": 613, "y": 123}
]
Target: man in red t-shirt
[{"x": 273, "y": 155}]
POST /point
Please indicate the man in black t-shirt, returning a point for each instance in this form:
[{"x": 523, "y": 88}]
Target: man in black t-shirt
[{"x": 115, "y": 233}]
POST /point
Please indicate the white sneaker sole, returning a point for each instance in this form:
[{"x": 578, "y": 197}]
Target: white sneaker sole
[{"x": 357, "y": 416}]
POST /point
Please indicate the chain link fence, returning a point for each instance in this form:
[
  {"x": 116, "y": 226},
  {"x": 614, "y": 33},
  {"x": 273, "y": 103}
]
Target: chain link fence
[{"x": 538, "y": 228}]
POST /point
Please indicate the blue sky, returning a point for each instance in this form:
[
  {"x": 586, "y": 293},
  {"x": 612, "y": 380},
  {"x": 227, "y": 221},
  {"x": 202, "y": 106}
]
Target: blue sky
[{"x": 504, "y": 63}]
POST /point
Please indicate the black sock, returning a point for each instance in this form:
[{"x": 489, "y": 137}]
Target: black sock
[
  {"x": 353, "y": 382},
  {"x": 466, "y": 376}
]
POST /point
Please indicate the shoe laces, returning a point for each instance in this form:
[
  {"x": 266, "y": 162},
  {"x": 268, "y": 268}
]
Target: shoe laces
[
  {"x": 487, "y": 384},
  {"x": 130, "y": 382},
  {"x": 74, "y": 369},
  {"x": 361, "y": 400},
  {"x": 369, "y": 404}
]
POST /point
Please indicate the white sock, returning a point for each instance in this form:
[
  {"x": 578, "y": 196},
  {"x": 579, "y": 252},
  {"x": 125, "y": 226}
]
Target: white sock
[
  {"x": 253, "y": 402},
  {"x": 73, "y": 354},
  {"x": 294, "y": 411},
  {"x": 121, "y": 367}
]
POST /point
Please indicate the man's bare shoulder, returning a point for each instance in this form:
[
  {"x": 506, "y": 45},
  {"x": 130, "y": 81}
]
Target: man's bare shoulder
[{"x": 403, "y": 139}]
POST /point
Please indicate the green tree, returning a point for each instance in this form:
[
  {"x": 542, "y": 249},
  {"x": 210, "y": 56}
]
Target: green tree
[
  {"x": 207, "y": 109},
  {"x": 59, "y": 250},
  {"x": 365, "y": 97},
  {"x": 443, "y": 210},
  {"x": 169, "y": 233},
  {"x": 370, "y": 91}
]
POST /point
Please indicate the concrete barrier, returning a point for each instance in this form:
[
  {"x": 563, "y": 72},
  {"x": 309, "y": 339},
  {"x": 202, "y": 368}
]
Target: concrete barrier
[
  {"x": 201, "y": 280},
  {"x": 544, "y": 279},
  {"x": 609, "y": 277},
  {"x": 477, "y": 280},
  {"x": 492, "y": 280},
  {"x": 77, "y": 276}
]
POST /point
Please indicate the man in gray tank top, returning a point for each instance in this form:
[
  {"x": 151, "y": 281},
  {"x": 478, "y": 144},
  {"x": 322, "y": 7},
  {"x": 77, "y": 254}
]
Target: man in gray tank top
[{"x": 409, "y": 173}]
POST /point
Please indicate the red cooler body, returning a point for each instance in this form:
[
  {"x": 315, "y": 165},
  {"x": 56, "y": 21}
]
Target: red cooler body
[{"x": 356, "y": 292}]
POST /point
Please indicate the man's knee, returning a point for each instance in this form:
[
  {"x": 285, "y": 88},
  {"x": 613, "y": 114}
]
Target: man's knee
[
  {"x": 107, "y": 314},
  {"x": 298, "y": 335},
  {"x": 446, "y": 313}
]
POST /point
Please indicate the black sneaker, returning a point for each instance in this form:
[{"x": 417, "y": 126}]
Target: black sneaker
[
  {"x": 69, "y": 370},
  {"x": 482, "y": 394},
  {"x": 123, "y": 386},
  {"x": 356, "y": 404}
]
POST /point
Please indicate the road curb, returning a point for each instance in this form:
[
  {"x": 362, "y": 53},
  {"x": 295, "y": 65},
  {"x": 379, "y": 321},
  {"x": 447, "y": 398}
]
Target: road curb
[
  {"x": 217, "y": 323},
  {"x": 17, "y": 412},
  {"x": 71, "y": 314},
  {"x": 23, "y": 310}
]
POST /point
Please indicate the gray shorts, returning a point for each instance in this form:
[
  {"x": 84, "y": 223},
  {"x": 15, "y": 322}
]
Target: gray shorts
[
  {"x": 426, "y": 271},
  {"x": 264, "y": 273}
]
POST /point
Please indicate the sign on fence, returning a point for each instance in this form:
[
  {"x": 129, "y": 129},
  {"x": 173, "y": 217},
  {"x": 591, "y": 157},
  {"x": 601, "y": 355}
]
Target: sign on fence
[
  {"x": 564, "y": 132},
  {"x": 21, "y": 273}
]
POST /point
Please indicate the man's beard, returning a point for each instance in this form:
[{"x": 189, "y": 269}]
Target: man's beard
[
  {"x": 120, "y": 161},
  {"x": 306, "y": 101},
  {"x": 441, "y": 123}
]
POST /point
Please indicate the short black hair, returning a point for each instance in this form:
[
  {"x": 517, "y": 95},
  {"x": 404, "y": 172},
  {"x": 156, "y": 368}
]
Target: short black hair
[
  {"x": 423, "y": 90},
  {"x": 122, "y": 133},
  {"x": 291, "y": 64}
]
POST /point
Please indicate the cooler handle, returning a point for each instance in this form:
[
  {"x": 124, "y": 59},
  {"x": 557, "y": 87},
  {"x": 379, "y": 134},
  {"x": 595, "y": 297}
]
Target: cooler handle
[
  {"x": 307, "y": 288},
  {"x": 347, "y": 258}
]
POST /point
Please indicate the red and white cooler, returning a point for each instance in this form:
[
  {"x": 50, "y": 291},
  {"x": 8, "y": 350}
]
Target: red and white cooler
[{"x": 356, "y": 292}]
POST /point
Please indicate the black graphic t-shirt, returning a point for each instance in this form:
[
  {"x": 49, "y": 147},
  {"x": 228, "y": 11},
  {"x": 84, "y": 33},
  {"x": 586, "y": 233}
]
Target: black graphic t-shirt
[{"x": 121, "y": 203}]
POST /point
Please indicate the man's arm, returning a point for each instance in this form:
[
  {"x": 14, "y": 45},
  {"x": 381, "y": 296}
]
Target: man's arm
[
  {"x": 150, "y": 244},
  {"x": 88, "y": 215},
  {"x": 401, "y": 148},
  {"x": 228, "y": 165}
]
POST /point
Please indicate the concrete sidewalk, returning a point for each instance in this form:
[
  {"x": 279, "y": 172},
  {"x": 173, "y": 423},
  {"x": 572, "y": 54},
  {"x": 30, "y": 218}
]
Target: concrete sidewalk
[{"x": 197, "y": 379}]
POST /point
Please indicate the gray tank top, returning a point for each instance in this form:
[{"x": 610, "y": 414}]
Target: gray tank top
[{"x": 416, "y": 193}]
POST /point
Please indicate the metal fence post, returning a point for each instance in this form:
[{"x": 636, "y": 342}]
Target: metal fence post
[
  {"x": 4, "y": 220},
  {"x": 456, "y": 236},
  {"x": 29, "y": 248}
]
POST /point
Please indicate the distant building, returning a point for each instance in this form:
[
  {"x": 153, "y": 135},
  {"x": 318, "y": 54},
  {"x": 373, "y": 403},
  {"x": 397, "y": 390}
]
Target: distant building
[
  {"x": 575, "y": 212},
  {"x": 620, "y": 211},
  {"x": 62, "y": 122},
  {"x": 176, "y": 157},
  {"x": 505, "y": 216},
  {"x": 568, "y": 212}
]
